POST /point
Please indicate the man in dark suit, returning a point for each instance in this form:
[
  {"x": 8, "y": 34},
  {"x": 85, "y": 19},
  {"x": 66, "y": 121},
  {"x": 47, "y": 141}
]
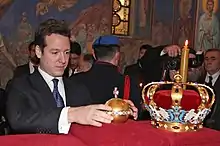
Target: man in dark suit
[
  {"x": 4, "y": 129},
  {"x": 2, "y": 101},
  {"x": 75, "y": 53},
  {"x": 211, "y": 77},
  {"x": 45, "y": 102},
  {"x": 31, "y": 65},
  {"x": 135, "y": 70},
  {"x": 104, "y": 76},
  {"x": 152, "y": 61}
]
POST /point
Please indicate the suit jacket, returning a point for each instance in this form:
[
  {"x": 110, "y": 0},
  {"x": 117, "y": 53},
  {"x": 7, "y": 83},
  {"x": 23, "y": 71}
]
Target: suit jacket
[
  {"x": 101, "y": 80},
  {"x": 31, "y": 107},
  {"x": 22, "y": 70},
  {"x": 2, "y": 101},
  {"x": 151, "y": 63},
  {"x": 213, "y": 120},
  {"x": 135, "y": 71}
]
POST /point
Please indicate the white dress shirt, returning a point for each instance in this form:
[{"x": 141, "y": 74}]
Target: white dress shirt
[
  {"x": 214, "y": 77},
  {"x": 63, "y": 125},
  {"x": 31, "y": 67}
]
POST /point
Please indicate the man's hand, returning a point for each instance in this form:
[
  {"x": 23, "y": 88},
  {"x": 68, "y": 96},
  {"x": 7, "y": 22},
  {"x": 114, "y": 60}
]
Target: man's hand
[
  {"x": 172, "y": 50},
  {"x": 172, "y": 74},
  {"x": 134, "y": 110},
  {"x": 93, "y": 115}
]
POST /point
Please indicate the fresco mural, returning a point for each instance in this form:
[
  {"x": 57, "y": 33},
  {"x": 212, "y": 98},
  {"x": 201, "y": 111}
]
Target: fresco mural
[
  {"x": 4, "y": 5},
  {"x": 208, "y": 29},
  {"x": 91, "y": 23},
  {"x": 143, "y": 18},
  {"x": 162, "y": 22},
  {"x": 86, "y": 20},
  {"x": 185, "y": 17},
  {"x": 156, "y": 22}
]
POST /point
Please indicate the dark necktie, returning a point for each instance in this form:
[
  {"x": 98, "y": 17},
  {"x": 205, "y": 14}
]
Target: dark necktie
[
  {"x": 35, "y": 67},
  {"x": 210, "y": 81},
  {"x": 58, "y": 98}
]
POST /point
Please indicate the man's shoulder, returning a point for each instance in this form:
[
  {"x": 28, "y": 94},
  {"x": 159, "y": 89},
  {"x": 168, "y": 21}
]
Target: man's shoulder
[
  {"x": 74, "y": 81},
  {"x": 22, "y": 66},
  {"x": 79, "y": 76},
  {"x": 21, "y": 82},
  {"x": 131, "y": 66}
]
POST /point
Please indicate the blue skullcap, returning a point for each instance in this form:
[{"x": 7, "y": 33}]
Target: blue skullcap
[{"x": 107, "y": 40}]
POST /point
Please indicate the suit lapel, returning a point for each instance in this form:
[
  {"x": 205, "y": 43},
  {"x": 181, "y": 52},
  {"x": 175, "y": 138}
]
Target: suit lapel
[
  {"x": 217, "y": 83},
  {"x": 27, "y": 68},
  {"x": 43, "y": 89}
]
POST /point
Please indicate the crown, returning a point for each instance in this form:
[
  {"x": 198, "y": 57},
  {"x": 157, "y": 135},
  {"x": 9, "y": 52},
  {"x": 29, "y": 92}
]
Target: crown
[{"x": 178, "y": 109}]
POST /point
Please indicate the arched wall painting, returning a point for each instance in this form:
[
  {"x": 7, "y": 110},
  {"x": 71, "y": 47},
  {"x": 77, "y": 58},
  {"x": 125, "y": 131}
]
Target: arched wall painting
[
  {"x": 208, "y": 25},
  {"x": 184, "y": 22}
]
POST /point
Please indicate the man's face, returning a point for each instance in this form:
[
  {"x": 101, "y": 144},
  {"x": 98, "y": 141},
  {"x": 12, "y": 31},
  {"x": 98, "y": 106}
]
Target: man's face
[
  {"x": 212, "y": 62},
  {"x": 210, "y": 6},
  {"x": 141, "y": 53},
  {"x": 55, "y": 56},
  {"x": 74, "y": 61},
  {"x": 193, "y": 73}
]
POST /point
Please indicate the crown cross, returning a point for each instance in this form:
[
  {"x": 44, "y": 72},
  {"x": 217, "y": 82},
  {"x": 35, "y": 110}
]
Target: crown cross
[{"x": 116, "y": 92}]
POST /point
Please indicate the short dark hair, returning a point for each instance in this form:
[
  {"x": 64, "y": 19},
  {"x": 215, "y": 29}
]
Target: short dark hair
[
  {"x": 31, "y": 45},
  {"x": 145, "y": 47},
  {"x": 89, "y": 58},
  {"x": 212, "y": 50},
  {"x": 106, "y": 51},
  {"x": 75, "y": 48},
  {"x": 192, "y": 51},
  {"x": 48, "y": 27}
]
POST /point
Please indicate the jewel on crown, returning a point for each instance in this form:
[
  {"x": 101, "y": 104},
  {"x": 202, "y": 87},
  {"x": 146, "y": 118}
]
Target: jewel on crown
[{"x": 178, "y": 109}]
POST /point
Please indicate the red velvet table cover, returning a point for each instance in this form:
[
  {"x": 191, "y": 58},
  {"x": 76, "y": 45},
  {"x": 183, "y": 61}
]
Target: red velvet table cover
[
  {"x": 141, "y": 134},
  {"x": 40, "y": 140}
]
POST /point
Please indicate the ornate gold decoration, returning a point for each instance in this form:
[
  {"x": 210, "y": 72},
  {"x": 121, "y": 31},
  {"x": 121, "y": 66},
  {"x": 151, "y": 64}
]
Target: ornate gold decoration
[
  {"x": 120, "y": 109},
  {"x": 177, "y": 119},
  {"x": 121, "y": 11}
]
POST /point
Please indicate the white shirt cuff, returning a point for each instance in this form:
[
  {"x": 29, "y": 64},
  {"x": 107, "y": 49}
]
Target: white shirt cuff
[
  {"x": 63, "y": 125},
  {"x": 162, "y": 53}
]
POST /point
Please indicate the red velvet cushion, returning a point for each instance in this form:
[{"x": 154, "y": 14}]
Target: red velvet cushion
[
  {"x": 141, "y": 133},
  {"x": 40, "y": 140},
  {"x": 121, "y": 134},
  {"x": 190, "y": 99}
]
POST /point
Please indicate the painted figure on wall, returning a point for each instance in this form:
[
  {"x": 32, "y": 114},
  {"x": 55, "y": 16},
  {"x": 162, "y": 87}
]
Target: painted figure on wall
[
  {"x": 141, "y": 17},
  {"x": 43, "y": 5},
  {"x": 91, "y": 23},
  {"x": 184, "y": 25},
  {"x": 143, "y": 12},
  {"x": 25, "y": 32},
  {"x": 208, "y": 27},
  {"x": 162, "y": 28},
  {"x": 7, "y": 64}
]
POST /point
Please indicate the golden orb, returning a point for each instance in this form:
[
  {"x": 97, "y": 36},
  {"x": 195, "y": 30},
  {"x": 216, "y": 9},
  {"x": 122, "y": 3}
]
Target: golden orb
[{"x": 120, "y": 109}]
